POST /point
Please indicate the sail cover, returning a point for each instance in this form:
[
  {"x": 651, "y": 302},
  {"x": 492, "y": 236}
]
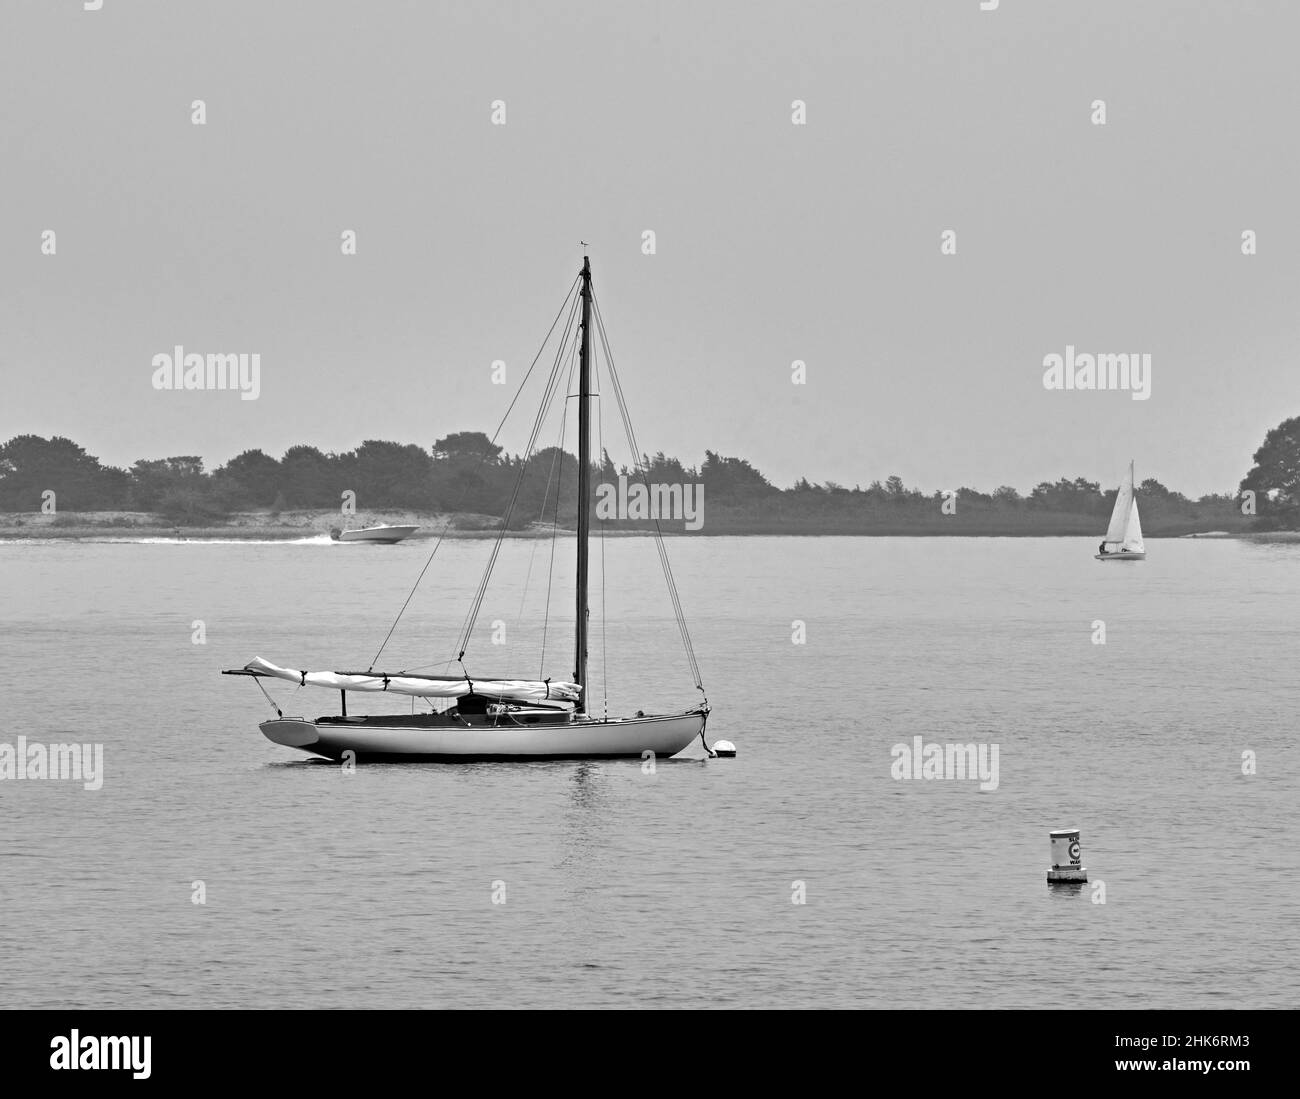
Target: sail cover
[{"x": 421, "y": 686}]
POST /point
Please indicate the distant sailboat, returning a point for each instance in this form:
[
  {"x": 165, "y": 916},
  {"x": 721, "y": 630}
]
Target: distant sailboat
[{"x": 1123, "y": 541}]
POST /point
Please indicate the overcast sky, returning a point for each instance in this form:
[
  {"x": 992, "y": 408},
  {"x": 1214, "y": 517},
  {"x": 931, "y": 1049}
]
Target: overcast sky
[{"x": 775, "y": 241}]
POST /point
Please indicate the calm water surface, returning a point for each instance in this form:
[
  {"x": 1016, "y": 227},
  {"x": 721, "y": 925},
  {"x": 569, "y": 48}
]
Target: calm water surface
[{"x": 624, "y": 889}]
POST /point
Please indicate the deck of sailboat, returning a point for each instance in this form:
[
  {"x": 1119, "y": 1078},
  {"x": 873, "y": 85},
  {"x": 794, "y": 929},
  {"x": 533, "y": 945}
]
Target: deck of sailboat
[{"x": 445, "y": 719}]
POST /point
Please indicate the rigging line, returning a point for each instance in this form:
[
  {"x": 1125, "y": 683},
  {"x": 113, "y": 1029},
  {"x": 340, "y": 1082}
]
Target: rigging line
[
  {"x": 475, "y": 470},
  {"x": 258, "y": 680},
  {"x": 662, "y": 549},
  {"x": 532, "y": 556},
  {"x": 555, "y": 521},
  {"x": 548, "y": 397},
  {"x": 476, "y": 604},
  {"x": 528, "y": 575},
  {"x": 422, "y": 667},
  {"x": 557, "y": 463},
  {"x": 604, "y": 618},
  {"x": 665, "y": 565},
  {"x": 673, "y": 593}
]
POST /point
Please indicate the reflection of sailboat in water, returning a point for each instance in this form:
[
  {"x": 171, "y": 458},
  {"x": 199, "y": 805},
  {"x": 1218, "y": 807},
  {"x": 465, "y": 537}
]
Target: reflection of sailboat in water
[
  {"x": 586, "y": 824},
  {"x": 1123, "y": 541},
  {"x": 586, "y": 788}
]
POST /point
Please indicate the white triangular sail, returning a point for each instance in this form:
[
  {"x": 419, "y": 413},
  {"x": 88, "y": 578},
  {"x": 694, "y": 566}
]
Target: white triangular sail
[
  {"x": 1124, "y": 507},
  {"x": 1133, "y": 531}
]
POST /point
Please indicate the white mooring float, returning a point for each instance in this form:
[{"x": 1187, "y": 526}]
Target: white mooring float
[{"x": 1067, "y": 858}]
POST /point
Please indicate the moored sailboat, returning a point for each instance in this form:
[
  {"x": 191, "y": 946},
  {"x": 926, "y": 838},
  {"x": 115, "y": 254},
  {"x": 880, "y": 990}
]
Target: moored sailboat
[
  {"x": 499, "y": 718},
  {"x": 1123, "y": 541}
]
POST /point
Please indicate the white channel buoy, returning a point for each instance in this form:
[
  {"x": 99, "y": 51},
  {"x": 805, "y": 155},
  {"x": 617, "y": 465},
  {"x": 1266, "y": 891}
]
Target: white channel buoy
[
  {"x": 1067, "y": 857},
  {"x": 724, "y": 748}
]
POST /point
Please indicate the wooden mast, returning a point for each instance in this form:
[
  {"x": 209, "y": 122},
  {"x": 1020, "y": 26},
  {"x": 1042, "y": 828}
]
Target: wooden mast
[{"x": 584, "y": 488}]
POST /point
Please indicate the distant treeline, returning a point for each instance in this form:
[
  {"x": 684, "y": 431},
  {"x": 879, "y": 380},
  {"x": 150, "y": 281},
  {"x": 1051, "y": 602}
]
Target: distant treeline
[{"x": 466, "y": 472}]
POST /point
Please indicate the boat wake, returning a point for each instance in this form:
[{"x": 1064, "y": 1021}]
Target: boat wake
[{"x": 314, "y": 540}]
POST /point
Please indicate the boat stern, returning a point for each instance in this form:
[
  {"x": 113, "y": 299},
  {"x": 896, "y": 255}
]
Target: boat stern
[{"x": 292, "y": 732}]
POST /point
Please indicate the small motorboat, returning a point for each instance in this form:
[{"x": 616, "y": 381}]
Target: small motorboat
[{"x": 385, "y": 535}]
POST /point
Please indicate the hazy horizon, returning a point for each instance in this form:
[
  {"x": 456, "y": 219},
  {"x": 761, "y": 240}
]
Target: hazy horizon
[{"x": 775, "y": 242}]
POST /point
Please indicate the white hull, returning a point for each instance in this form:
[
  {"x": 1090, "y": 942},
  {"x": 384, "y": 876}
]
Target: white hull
[
  {"x": 595, "y": 739},
  {"x": 387, "y": 535},
  {"x": 1121, "y": 555}
]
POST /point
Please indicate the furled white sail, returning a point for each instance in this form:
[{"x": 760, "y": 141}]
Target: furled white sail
[{"x": 516, "y": 690}]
